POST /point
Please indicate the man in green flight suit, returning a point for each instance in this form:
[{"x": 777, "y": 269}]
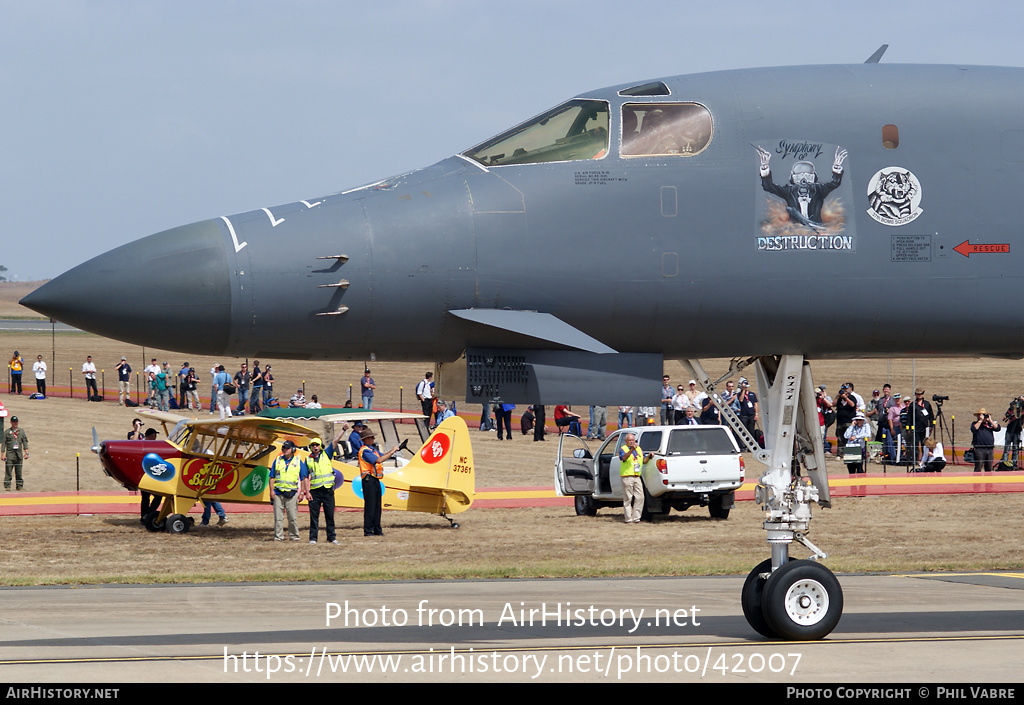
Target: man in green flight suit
[{"x": 15, "y": 451}]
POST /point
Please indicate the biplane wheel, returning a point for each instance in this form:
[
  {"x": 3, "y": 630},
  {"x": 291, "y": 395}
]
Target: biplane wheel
[
  {"x": 150, "y": 522},
  {"x": 751, "y": 597},
  {"x": 455, "y": 524},
  {"x": 178, "y": 524},
  {"x": 802, "y": 601}
]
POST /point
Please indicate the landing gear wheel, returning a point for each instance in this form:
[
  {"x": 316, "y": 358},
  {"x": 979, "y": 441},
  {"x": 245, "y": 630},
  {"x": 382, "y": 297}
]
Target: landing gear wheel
[
  {"x": 455, "y": 524},
  {"x": 178, "y": 524},
  {"x": 752, "y": 597},
  {"x": 802, "y": 601},
  {"x": 150, "y": 522},
  {"x": 585, "y": 505}
]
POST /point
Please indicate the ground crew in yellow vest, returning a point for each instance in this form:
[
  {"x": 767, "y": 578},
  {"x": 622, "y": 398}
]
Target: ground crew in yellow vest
[
  {"x": 320, "y": 485},
  {"x": 15, "y": 451},
  {"x": 16, "y": 366},
  {"x": 287, "y": 482},
  {"x": 371, "y": 472},
  {"x": 631, "y": 465}
]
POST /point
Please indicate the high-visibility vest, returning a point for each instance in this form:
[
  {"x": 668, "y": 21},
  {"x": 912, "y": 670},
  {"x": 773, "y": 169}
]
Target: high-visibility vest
[
  {"x": 287, "y": 474},
  {"x": 632, "y": 462},
  {"x": 321, "y": 471},
  {"x": 365, "y": 468}
]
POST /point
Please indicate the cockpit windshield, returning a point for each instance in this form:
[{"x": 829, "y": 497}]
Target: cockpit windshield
[{"x": 572, "y": 131}]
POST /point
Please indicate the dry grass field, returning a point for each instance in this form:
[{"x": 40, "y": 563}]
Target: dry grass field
[{"x": 898, "y": 533}]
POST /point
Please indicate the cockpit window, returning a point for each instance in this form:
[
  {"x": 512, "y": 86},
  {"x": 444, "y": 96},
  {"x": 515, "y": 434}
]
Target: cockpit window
[
  {"x": 656, "y": 88},
  {"x": 664, "y": 129},
  {"x": 573, "y": 131}
]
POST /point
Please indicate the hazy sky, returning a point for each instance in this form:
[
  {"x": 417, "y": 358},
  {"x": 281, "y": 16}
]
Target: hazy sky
[{"x": 121, "y": 119}]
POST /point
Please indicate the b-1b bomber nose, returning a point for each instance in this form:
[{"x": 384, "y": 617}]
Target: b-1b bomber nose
[{"x": 171, "y": 290}]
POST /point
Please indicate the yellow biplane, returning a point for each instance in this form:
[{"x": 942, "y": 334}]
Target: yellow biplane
[{"x": 229, "y": 461}]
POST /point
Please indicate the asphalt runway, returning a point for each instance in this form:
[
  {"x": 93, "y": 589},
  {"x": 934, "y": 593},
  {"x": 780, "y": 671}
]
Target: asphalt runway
[{"x": 935, "y": 628}]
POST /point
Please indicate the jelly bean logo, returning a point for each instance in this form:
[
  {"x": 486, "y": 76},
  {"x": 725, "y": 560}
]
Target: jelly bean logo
[
  {"x": 339, "y": 479},
  {"x": 435, "y": 448},
  {"x": 357, "y": 489},
  {"x": 253, "y": 484},
  {"x": 157, "y": 468},
  {"x": 208, "y": 477}
]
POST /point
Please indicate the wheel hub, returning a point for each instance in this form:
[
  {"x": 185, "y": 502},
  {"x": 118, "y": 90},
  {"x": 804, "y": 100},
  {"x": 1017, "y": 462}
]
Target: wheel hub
[{"x": 806, "y": 602}]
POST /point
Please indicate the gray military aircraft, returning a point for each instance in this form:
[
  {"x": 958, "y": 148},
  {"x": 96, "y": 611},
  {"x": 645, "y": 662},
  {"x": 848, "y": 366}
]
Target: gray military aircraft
[{"x": 770, "y": 215}]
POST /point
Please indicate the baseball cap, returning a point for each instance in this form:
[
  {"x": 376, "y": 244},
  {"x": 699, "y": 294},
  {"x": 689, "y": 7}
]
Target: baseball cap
[
  {"x": 316, "y": 441},
  {"x": 287, "y": 444}
]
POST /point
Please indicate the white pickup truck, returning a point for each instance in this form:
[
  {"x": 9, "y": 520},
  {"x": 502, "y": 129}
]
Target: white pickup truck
[{"x": 690, "y": 465}]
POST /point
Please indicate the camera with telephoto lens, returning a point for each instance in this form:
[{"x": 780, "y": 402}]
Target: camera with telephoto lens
[{"x": 939, "y": 398}]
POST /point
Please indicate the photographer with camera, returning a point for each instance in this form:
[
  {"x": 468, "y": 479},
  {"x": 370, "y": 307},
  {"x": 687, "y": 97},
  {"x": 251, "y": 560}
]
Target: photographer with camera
[
  {"x": 826, "y": 413},
  {"x": 846, "y": 410},
  {"x": 1014, "y": 418},
  {"x": 983, "y": 440},
  {"x": 922, "y": 420}
]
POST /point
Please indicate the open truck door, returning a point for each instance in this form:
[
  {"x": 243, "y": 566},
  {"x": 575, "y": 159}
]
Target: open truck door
[{"x": 574, "y": 470}]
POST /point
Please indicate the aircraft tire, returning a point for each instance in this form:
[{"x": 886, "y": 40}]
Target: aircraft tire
[
  {"x": 802, "y": 601},
  {"x": 150, "y": 522},
  {"x": 177, "y": 524},
  {"x": 585, "y": 506},
  {"x": 751, "y": 598}
]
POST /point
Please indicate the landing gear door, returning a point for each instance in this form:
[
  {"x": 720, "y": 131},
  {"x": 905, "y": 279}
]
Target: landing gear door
[{"x": 574, "y": 470}]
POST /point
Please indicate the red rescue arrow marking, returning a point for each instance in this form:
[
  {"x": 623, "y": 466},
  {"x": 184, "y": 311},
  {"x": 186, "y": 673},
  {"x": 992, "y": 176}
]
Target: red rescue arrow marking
[{"x": 967, "y": 249}]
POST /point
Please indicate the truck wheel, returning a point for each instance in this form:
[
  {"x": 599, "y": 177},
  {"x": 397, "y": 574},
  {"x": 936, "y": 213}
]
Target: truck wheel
[
  {"x": 646, "y": 514},
  {"x": 585, "y": 506},
  {"x": 802, "y": 601},
  {"x": 715, "y": 507}
]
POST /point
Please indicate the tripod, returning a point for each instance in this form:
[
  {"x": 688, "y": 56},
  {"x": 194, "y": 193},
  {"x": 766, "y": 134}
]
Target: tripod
[{"x": 943, "y": 428}]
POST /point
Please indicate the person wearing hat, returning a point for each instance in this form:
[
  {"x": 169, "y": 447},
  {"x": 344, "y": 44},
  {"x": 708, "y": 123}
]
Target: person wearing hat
[
  {"x": 320, "y": 485},
  {"x": 124, "y": 380},
  {"x": 750, "y": 409},
  {"x": 983, "y": 440},
  {"x": 366, "y": 386},
  {"x": 371, "y": 471},
  {"x": 16, "y": 366},
  {"x": 354, "y": 440},
  {"x": 287, "y": 486},
  {"x": 444, "y": 412},
  {"x": 223, "y": 398},
  {"x": 922, "y": 421},
  {"x": 15, "y": 452},
  {"x": 298, "y": 400},
  {"x": 857, "y": 434}
]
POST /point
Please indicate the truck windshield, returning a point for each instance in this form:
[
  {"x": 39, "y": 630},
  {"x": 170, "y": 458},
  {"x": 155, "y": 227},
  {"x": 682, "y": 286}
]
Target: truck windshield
[
  {"x": 572, "y": 131},
  {"x": 700, "y": 441}
]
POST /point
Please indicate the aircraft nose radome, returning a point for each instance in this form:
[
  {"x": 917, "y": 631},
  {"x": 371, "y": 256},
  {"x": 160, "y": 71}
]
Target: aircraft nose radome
[{"x": 170, "y": 290}]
